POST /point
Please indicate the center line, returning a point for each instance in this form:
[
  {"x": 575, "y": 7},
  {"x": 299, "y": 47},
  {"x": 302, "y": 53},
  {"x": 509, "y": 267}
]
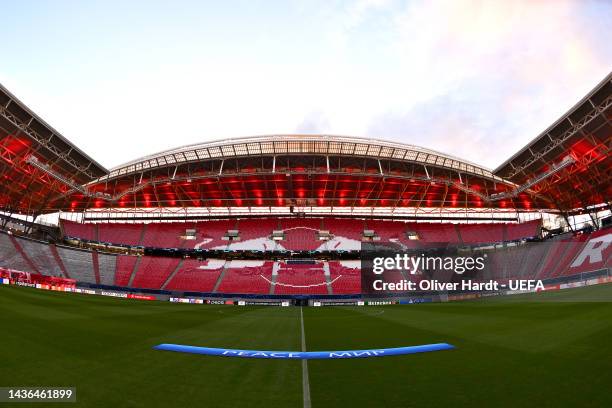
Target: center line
[{"x": 305, "y": 382}]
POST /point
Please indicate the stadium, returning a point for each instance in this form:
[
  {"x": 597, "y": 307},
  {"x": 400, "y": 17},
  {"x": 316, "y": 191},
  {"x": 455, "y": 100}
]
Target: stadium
[{"x": 263, "y": 243}]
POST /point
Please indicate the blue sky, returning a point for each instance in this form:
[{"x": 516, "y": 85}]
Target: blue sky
[{"x": 477, "y": 79}]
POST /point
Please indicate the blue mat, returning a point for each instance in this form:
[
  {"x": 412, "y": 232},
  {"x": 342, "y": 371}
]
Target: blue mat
[{"x": 209, "y": 351}]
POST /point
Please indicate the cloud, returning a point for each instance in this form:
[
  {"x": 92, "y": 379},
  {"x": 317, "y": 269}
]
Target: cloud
[
  {"x": 466, "y": 122},
  {"x": 314, "y": 123},
  {"x": 477, "y": 79},
  {"x": 487, "y": 77}
]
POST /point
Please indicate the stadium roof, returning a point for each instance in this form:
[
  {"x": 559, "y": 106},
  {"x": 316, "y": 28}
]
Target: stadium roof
[
  {"x": 300, "y": 170},
  {"x": 582, "y": 136},
  {"x": 566, "y": 168},
  {"x": 297, "y": 145},
  {"x": 36, "y": 161}
]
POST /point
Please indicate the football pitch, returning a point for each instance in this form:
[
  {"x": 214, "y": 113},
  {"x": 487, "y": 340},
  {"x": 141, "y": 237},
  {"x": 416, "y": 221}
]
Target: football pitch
[{"x": 551, "y": 349}]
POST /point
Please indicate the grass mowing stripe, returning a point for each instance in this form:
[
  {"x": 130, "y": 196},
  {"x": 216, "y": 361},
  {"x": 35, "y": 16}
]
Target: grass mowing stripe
[
  {"x": 107, "y": 354},
  {"x": 508, "y": 354},
  {"x": 305, "y": 381}
]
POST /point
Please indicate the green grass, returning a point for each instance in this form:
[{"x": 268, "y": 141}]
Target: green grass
[{"x": 552, "y": 349}]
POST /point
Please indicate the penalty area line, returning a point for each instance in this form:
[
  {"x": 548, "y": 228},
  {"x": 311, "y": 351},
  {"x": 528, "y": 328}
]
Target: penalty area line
[{"x": 313, "y": 285}]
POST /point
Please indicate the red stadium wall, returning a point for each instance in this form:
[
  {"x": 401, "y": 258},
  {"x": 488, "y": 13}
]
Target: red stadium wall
[
  {"x": 300, "y": 234},
  {"x": 560, "y": 257}
]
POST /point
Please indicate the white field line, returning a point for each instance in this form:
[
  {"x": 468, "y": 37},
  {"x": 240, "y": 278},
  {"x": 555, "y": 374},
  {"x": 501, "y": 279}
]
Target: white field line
[
  {"x": 301, "y": 286},
  {"x": 305, "y": 381}
]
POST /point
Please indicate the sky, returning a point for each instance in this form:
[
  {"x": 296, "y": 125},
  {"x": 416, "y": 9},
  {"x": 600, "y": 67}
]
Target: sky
[{"x": 474, "y": 79}]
